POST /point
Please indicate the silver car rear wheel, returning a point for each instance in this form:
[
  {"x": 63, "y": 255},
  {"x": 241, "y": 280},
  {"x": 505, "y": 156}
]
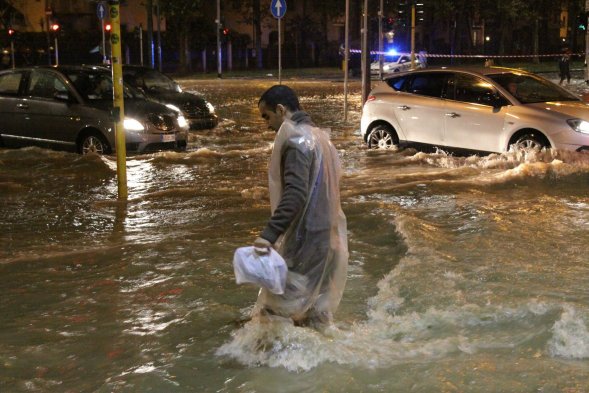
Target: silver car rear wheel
[
  {"x": 93, "y": 143},
  {"x": 381, "y": 137}
]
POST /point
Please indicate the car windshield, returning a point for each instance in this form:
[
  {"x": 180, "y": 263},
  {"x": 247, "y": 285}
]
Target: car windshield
[
  {"x": 153, "y": 80},
  {"x": 530, "y": 89},
  {"x": 96, "y": 85}
]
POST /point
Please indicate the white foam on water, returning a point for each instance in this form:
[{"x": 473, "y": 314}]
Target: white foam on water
[{"x": 570, "y": 338}]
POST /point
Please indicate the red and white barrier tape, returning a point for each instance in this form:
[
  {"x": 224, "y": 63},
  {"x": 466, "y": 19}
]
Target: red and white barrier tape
[{"x": 423, "y": 54}]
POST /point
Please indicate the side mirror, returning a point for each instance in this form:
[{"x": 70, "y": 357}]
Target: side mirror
[{"x": 63, "y": 96}]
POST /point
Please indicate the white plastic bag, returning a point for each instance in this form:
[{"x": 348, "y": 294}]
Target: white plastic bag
[{"x": 268, "y": 271}]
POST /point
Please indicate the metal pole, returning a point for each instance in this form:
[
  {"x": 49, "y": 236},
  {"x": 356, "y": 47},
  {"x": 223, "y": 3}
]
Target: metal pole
[
  {"x": 118, "y": 102},
  {"x": 159, "y": 36},
  {"x": 141, "y": 44},
  {"x": 413, "y": 35},
  {"x": 103, "y": 42},
  {"x": 587, "y": 44},
  {"x": 365, "y": 55},
  {"x": 56, "y": 52},
  {"x": 149, "y": 5},
  {"x": 346, "y": 59},
  {"x": 380, "y": 44},
  {"x": 12, "y": 53},
  {"x": 219, "y": 54},
  {"x": 279, "y": 53}
]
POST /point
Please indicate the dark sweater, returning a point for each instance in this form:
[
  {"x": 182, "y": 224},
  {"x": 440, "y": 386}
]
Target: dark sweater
[{"x": 295, "y": 167}]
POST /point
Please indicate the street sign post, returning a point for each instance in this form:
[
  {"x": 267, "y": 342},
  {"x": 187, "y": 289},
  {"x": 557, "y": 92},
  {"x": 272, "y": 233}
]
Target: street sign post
[
  {"x": 278, "y": 9},
  {"x": 101, "y": 13}
]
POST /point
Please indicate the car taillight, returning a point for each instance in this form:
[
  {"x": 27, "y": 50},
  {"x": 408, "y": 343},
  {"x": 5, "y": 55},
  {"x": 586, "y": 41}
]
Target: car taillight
[{"x": 371, "y": 98}]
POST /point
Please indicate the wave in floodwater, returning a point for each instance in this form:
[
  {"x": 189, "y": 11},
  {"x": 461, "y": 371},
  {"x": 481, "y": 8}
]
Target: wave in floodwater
[{"x": 404, "y": 324}]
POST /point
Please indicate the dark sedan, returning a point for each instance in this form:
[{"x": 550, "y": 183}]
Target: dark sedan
[
  {"x": 70, "y": 107},
  {"x": 199, "y": 112}
]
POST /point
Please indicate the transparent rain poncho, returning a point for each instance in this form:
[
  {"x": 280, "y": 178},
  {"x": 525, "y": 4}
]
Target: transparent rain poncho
[{"x": 315, "y": 245}]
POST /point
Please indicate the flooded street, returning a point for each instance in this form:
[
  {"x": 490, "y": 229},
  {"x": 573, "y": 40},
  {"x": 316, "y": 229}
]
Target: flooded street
[{"x": 467, "y": 274}]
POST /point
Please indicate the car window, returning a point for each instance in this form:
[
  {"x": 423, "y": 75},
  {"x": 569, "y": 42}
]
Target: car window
[
  {"x": 397, "y": 82},
  {"x": 43, "y": 84},
  {"x": 96, "y": 85},
  {"x": 470, "y": 88},
  {"x": 427, "y": 84},
  {"x": 9, "y": 83},
  {"x": 529, "y": 89}
]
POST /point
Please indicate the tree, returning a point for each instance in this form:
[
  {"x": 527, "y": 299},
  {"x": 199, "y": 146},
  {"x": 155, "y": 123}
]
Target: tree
[{"x": 187, "y": 22}]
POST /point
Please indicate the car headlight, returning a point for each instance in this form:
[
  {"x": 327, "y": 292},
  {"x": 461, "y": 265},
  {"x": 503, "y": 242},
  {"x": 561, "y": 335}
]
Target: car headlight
[
  {"x": 174, "y": 108},
  {"x": 210, "y": 107},
  {"x": 182, "y": 123},
  {"x": 386, "y": 67},
  {"x": 132, "y": 124},
  {"x": 579, "y": 125}
]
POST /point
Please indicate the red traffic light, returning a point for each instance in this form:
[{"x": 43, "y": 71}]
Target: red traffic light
[
  {"x": 11, "y": 31},
  {"x": 107, "y": 27},
  {"x": 55, "y": 27},
  {"x": 225, "y": 31}
]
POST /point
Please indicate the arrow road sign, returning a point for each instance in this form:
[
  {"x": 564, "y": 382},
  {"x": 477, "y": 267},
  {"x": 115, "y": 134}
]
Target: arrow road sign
[
  {"x": 100, "y": 11},
  {"x": 278, "y": 8}
]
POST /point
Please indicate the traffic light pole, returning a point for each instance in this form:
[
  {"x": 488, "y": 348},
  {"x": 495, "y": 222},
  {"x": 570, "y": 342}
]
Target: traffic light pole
[{"x": 118, "y": 102}]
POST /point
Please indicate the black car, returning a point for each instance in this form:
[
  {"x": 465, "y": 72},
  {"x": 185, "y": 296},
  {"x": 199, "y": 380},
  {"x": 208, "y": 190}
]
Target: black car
[
  {"x": 70, "y": 108},
  {"x": 159, "y": 87}
]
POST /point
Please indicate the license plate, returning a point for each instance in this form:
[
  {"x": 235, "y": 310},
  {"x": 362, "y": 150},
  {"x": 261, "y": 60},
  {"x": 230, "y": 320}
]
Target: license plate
[{"x": 169, "y": 138}]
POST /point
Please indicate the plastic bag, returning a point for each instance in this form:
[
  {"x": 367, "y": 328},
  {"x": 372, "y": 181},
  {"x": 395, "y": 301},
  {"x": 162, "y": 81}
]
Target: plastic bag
[{"x": 268, "y": 271}]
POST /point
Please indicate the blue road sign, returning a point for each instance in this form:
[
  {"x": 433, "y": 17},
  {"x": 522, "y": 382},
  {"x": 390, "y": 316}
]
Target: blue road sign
[
  {"x": 278, "y": 8},
  {"x": 101, "y": 11}
]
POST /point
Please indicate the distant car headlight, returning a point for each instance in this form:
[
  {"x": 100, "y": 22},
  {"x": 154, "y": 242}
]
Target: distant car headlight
[
  {"x": 132, "y": 124},
  {"x": 579, "y": 125},
  {"x": 182, "y": 123},
  {"x": 211, "y": 107}
]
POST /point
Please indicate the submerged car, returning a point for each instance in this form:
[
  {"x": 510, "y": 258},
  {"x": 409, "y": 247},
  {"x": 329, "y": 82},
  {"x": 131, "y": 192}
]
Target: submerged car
[
  {"x": 70, "y": 108},
  {"x": 484, "y": 110},
  {"x": 159, "y": 87}
]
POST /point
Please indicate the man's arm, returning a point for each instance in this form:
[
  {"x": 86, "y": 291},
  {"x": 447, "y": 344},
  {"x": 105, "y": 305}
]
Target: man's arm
[{"x": 296, "y": 168}]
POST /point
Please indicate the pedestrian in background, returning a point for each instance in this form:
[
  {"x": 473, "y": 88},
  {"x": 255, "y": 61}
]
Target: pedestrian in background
[
  {"x": 307, "y": 226},
  {"x": 564, "y": 66}
]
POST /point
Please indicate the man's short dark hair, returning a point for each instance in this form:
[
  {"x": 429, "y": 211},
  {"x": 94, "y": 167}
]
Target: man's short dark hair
[{"x": 281, "y": 94}]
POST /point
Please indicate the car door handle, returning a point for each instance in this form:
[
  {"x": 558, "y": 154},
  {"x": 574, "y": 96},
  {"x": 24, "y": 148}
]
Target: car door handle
[
  {"x": 22, "y": 106},
  {"x": 452, "y": 114},
  {"x": 403, "y": 107}
]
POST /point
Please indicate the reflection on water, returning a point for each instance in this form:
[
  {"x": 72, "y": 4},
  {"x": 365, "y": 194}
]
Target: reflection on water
[{"x": 466, "y": 273}]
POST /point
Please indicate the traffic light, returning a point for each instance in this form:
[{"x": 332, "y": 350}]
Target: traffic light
[
  {"x": 55, "y": 27},
  {"x": 419, "y": 12},
  {"x": 11, "y": 32},
  {"x": 389, "y": 23},
  {"x": 226, "y": 31},
  {"x": 107, "y": 27}
]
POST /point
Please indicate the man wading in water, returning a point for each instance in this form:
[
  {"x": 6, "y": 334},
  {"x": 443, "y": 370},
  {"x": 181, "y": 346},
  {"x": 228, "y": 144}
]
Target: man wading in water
[{"x": 307, "y": 226}]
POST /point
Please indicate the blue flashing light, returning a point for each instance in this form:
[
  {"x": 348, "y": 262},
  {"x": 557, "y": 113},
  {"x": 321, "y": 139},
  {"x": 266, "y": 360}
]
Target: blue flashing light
[{"x": 392, "y": 52}]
